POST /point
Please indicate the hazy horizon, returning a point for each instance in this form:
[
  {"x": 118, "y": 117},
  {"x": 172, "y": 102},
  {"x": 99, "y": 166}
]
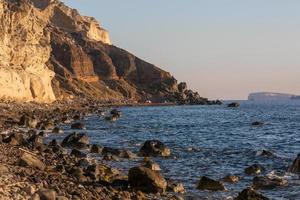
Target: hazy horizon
[{"x": 223, "y": 49}]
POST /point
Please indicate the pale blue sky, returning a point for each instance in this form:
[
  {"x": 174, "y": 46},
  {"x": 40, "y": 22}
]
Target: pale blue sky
[{"x": 221, "y": 48}]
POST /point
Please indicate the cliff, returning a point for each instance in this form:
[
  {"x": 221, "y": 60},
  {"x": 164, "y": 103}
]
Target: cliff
[{"x": 49, "y": 52}]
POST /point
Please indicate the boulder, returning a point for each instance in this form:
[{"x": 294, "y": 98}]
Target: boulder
[
  {"x": 146, "y": 180},
  {"x": 96, "y": 149},
  {"x": 250, "y": 194},
  {"x": 254, "y": 169},
  {"x": 265, "y": 182},
  {"x": 28, "y": 121},
  {"x": 147, "y": 162},
  {"x": 78, "y": 126},
  {"x": 76, "y": 140},
  {"x": 121, "y": 153},
  {"x": 206, "y": 183},
  {"x": 78, "y": 153},
  {"x": 173, "y": 186},
  {"x": 154, "y": 148},
  {"x": 31, "y": 161},
  {"x": 295, "y": 167}
]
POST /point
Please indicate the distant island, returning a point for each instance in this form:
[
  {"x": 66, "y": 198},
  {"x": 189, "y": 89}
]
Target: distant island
[{"x": 271, "y": 96}]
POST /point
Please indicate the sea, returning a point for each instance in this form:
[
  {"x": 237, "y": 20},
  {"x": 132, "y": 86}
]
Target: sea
[{"x": 211, "y": 141}]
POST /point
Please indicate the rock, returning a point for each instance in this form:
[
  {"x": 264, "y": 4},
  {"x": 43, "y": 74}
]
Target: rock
[
  {"x": 78, "y": 153},
  {"x": 75, "y": 140},
  {"x": 257, "y": 123},
  {"x": 182, "y": 87},
  {"x": 295, "y": 167},
  {"x": 35, "y": 141},
  {"x": 3, "y": 169},
  {"x": 96, "y": 149},
  {"x": 266, "y": 153},
  {"x": 265, "y": 182},
  {"x": 47, "y": 125},
  {"x": 31, "y": 161},
  {"x": 101, "y": 171},
  {"x": 146, "y": 180},
  {"x": 151, "y": 164},
  {"x": 111, "y": 118},
  {"x": 172, "y": 186},
  {"x": 254, "y": 169},
  {"x": 154, "y": 148},
  {"x": 250, "y": 194},
  {"x": 57, "y": 130},
  {"x": 28, "y": 121},
  {"x": 121, "y": 153},
  {"x": 30, "y": 190},
  {"x": 206, "y": 183},
  {"x": 231, "y": 179},
  {"x": 78, "y": 126},
  {"x": 116, "y": 113},
  {"x": 14, "y": 139},
  {"x": 233, "y": 105},
  {"x": 47, "y": 194}
]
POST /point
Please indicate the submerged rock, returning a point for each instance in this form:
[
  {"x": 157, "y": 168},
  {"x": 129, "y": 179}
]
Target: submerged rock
[
  {"x": 295, "y": 167},
  {"x": 250, "y": 194},
  {"x": 266, "y": 153},
  {"x": 78, "y": 126},
  {"x": 146, "y": 180},
  {"x": 206, "y": 183},
  {"x": 154, "y": 148},
  {"x": 257, "y": 123}
]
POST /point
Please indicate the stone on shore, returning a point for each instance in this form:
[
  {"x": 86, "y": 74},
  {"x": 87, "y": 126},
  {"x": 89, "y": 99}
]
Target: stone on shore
[
  {"x": 31, "y": 161},
  {"x": 47, "y": 194},
  {"x": 14, "y": 139},
  {"x": 3, "y": 169},
  {"x": 146, "y": 180},
  {"x": 78, "y": 154},
  {"x": 206, "y": 183},
  {"x": 154, "y": 148},
  {"x": 96, "y": 149},
  {"x": 295, "y": 167},
  {"x": 250, "y": 194}
]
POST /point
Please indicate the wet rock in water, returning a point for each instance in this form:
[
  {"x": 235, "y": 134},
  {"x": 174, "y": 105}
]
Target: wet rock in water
[
  {"x": 173, "y": 186},
  {"x": 111, "y": 118},
  {"x": 147, "y": 162},
  {"x": 78, "y": 153},
  {"x": 266, "y": 153},
  {"x": 76, "y": 140},
  {"x": 96, "y": 149},
  {"x": 254, "y": 169},
  {"x": 116, "y": 113},
  {"x": 31, "y": 161},
  {"x": 47, "y": 194},
  {"x": 265, "y": 182},
  {"x": 57, "y": 130},
  {"x": 146, "y": 180},
  {"x": 295, "y": 167},
  {"x": 257, "y": 123},
  {"x": 250, "y": 194},
  {"x": 14, "y": 139},
  {"x": 154, "y": 148},
  {"x": 121, "y": 153},
  {"x": 3, "y": 169},
  {"x": 233, "y": 105},
  {"x": 206, "y": 183},
  {"x": 231, "y": 179},
  {"x": 78, "y": 126}
]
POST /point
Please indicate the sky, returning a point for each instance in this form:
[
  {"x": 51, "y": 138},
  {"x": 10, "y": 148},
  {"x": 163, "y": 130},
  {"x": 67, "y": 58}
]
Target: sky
[{"x": 224, "y": 49}]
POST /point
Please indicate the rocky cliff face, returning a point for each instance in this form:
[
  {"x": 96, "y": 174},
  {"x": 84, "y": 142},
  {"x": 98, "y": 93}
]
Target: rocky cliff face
[{"x": 49, "y": 51}]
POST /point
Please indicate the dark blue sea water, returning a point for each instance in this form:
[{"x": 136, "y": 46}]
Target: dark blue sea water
[{"x": 210, "y": 140}]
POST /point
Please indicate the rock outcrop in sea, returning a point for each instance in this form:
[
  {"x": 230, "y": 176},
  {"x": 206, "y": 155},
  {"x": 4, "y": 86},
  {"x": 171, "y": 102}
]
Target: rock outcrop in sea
[{"x": 50, "y": 52}]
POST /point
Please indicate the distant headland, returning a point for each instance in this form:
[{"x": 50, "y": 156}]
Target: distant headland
[{"x": 272, "y": 96}]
